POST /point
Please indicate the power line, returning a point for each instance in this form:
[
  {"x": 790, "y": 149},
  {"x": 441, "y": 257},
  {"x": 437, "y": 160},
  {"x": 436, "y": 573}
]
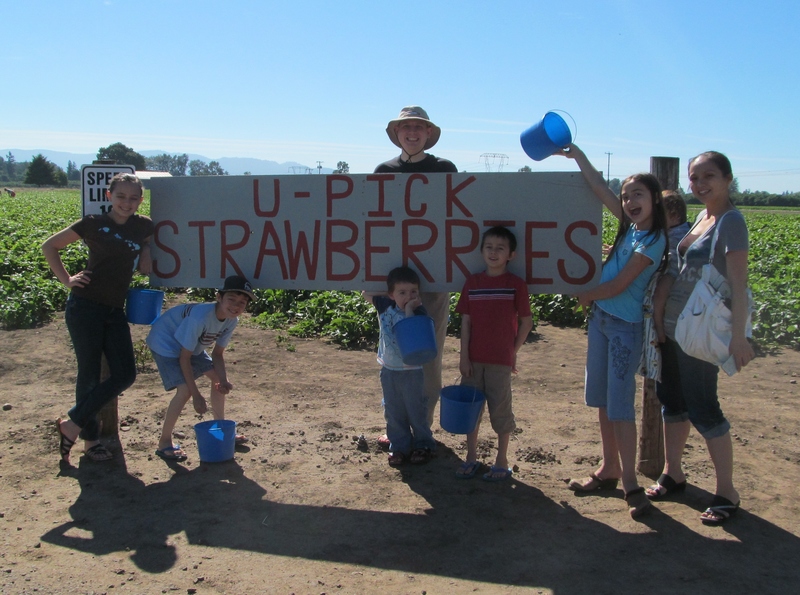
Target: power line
[{"x": 492, "y": 159}]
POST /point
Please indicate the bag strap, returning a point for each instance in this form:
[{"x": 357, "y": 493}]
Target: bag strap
[{"x": 716, "y": 236}]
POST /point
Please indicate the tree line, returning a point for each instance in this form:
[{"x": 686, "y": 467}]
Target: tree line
[
  {"x": 748, "y": 198},
  {"x": 40, "y": 171}
]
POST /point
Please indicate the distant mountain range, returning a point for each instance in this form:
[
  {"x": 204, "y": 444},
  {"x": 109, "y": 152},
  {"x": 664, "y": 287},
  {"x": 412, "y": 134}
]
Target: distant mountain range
[{"x": 233, "y": 165}]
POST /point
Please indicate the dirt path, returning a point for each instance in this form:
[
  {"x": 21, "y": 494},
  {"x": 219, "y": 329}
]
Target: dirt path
[{"x": 302, "y": 510}]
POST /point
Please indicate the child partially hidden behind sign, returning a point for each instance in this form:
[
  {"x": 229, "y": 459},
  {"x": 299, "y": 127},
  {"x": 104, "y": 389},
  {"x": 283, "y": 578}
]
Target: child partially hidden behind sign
[
  {"x": 404, "y": 401},
  {"x": 675, "y": 207},
  {"x": 178, "y": 340},
  {"x": 495, "y": 321}
]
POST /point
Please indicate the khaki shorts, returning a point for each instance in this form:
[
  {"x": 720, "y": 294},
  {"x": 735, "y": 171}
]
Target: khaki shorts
[{"x": 495, "y": 382}]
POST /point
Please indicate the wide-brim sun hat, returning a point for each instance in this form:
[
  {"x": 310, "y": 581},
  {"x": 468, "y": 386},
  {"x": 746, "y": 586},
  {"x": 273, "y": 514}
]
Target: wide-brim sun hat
[{"x": 414, "y": 112}]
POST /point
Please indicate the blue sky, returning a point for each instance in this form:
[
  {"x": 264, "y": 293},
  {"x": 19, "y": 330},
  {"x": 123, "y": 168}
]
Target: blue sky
[{"x": 312, "y": 81}]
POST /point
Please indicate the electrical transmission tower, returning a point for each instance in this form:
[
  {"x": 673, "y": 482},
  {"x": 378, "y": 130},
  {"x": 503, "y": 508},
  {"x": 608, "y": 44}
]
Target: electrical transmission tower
[
  {"x": 494, "y": 160},
  {"x": 299, "y": 169}
]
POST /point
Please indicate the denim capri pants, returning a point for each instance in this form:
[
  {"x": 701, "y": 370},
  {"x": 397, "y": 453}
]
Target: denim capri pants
[
  {"x": 688, "y": 390},
  {"x": 170, "y": 368},
  {"x": 612, "y": 359}
]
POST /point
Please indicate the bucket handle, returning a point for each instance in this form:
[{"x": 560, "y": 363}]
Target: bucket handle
[
  {"x": 574, "y": 123},
  {"x": 458, "y": 379}
]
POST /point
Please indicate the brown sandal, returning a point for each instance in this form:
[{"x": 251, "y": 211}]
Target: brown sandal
[
  {"x": 397, "y": 458},
  {"x": 64, "y": 444},
  {"x": 420, "y": 456},
  {"x": 593, "y": 484},
  {"x": 98, "y": 453}
]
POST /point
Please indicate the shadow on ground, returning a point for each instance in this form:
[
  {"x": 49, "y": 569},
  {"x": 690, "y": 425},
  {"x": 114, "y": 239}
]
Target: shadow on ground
[{"x": 509, "y": 533}]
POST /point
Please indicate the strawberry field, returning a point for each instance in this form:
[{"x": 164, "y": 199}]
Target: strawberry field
[{"x": 30, "y": 294}]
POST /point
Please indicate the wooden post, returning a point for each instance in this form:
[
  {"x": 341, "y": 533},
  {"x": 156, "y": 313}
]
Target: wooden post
[
  {"x": 666, "y": 169},
  {"x": 651, "y": 438},
  {"x": 108, "y": 416}
]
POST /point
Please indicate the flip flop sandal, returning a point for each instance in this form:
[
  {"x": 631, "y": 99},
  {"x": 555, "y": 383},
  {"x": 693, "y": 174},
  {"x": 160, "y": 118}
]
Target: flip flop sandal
[
  {"x": 240, "y": 439},
  {"x": 593, "y": 484},
  {"x": 384, "y": 442},
  {"x": 98, "y": 453},
  {"x": 721, "y": 510},
  {"x": 467, "y": 470},
  {"x": 497, "y": 474},
  {"x": 64, "y": 444},
  {"x": 665, "y": 486},
  {"x": 638, "y": 504},
  {"x": 171, "y": 453}
]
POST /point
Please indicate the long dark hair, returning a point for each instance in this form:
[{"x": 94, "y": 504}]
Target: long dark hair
[{"x": 659, "y": 227}]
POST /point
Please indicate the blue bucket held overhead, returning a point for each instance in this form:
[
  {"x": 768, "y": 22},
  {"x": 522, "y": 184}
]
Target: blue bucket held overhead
[
  {"x": 546, "y": 137},
  {"x": 143, "y": 306},
  {"x": 417, "y": 340},
  {"x": 460, "y": 408},
  {"x": 216, "y": 440}
]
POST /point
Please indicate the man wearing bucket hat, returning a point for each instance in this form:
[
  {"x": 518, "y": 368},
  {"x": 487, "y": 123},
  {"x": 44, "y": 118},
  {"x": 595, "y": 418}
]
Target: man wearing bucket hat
[
  {"x": 178, "y": 341},
  {"x": 414, "y": 133}
]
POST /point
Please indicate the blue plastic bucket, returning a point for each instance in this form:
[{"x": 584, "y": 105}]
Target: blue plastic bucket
[
  {"x": 416, "y": 339},
  {"x": 216, "y": 440},
  {"x": 545, "y": 137},
  {"x": 460, "y": 408},
  {"x": 143, "y": 306}
]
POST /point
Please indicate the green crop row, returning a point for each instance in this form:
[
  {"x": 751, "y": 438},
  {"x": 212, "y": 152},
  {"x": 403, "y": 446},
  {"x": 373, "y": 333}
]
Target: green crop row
[
  {"x": 29, "y": 293},
  {"x": 775, "y": 277}
]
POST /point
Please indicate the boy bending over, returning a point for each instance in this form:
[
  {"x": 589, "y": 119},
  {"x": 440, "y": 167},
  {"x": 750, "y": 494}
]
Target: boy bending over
[{"x": 178, "y": 340}]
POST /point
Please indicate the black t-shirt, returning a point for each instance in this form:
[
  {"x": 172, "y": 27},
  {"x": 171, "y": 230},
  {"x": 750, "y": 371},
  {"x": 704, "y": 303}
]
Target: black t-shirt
[
  {"x": 113, "y": 255},
  {"x": 431, "y": 164}
]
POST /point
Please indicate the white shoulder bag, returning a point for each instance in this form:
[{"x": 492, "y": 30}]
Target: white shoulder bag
[{"x": 704, "y": 328}]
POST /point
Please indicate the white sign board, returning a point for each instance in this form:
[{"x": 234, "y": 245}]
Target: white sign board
[
  {"x": 347, "y": 231},
  {"x": 94, "y": 182}
]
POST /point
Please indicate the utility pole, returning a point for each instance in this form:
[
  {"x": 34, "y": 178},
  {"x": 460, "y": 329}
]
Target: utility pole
[
  {"x": 608, "y": 170},
  {"x": 319, "y": 167}
]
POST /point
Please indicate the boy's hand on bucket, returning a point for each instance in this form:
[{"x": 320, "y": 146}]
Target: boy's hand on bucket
[
  {"x": 199, "y": 404},
  {"x": 223, "y": 387},
  {"x": 465, "y": 366}
]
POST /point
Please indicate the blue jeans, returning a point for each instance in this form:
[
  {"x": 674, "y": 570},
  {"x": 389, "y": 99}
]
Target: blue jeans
[
  {"x": 405, "y": 407},
  {"x": 688, "y": 390},
  {"x": 612, "y": 358},
  {"x": 97, "y": 329}
]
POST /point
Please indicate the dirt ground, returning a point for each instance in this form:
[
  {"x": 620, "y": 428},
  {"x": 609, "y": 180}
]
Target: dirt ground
[{"x": 302, "y": 510}]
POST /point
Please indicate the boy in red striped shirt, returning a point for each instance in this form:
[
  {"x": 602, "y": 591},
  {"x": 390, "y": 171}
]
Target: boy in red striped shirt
[{"x": 495, "y": 321}]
